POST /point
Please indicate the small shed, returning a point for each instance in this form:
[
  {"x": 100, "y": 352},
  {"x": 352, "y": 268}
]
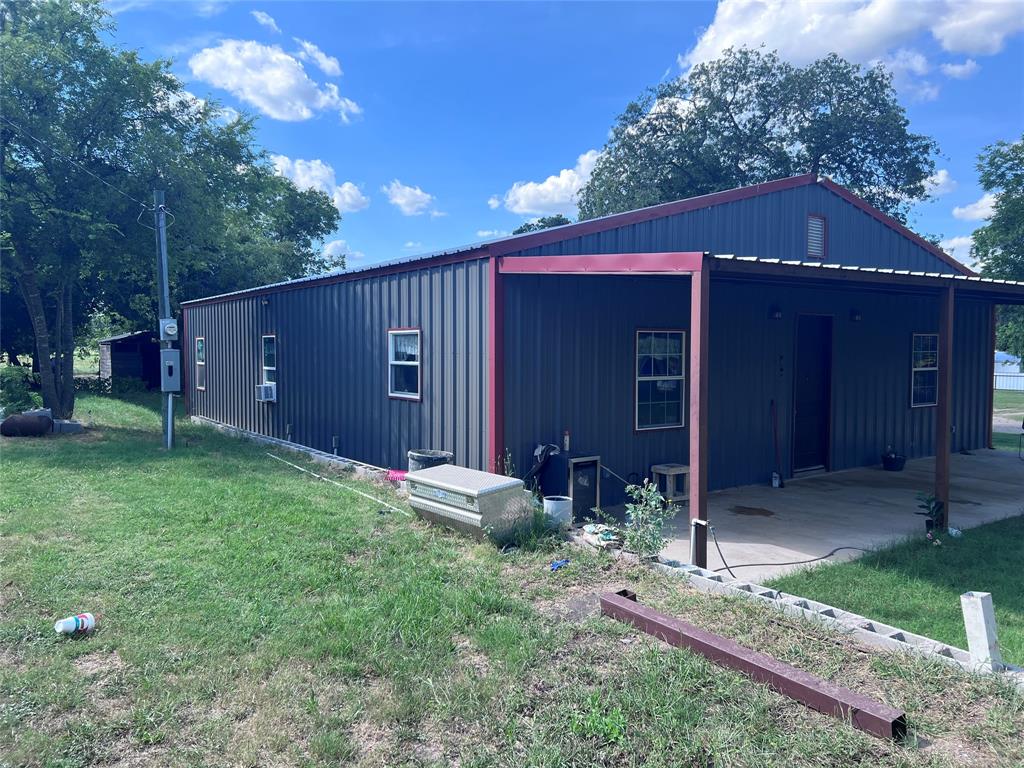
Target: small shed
[{"x": 131, "y": 356}]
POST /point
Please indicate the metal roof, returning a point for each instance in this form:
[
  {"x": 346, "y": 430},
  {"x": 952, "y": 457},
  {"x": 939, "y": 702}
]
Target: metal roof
[
  {"x": 500, "y": 246},
  {"x": 123, "y": 336}
]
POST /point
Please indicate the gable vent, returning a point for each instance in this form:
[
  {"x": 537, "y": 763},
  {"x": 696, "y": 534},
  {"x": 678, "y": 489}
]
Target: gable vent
[{"x": 816, "y": 237}]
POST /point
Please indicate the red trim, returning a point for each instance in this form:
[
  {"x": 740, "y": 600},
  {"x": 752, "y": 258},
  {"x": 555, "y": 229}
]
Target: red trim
[
  {"x": 890, "y": 222},
  {"x": 495, "y": 365},
  {"x": 602, "y": 263},
  {"x": 604, "y": 223},
  {"x": 700, "y": 294},
  {"x": 345, "y": 277},
  {"x": 944, "y": 412},
  {"x": 419, "y": 365}
]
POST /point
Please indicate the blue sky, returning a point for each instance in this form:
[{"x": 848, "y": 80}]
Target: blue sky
[{"x": 440, "y": 124}]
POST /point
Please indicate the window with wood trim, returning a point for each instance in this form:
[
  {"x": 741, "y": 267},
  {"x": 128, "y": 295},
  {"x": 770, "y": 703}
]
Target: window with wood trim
[
  {"x": 816, "y": 234},
  {"x": 200, "y": 362},
  {"x": 404, "y": 363},
  {"x": 269, "y": 359},
  {"x": 924, "y": 373},
  {"x": 660, "y": 379}
]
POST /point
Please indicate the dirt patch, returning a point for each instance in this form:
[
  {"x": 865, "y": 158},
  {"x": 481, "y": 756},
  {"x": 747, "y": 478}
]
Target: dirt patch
[
  {"x": 99, "y": 663},
  {"x": 470, "y": 655}
]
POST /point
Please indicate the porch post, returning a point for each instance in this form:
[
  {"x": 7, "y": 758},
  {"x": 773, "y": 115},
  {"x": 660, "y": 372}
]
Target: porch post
[
  {"x": 944, "y": 410},
  {"x": 700, "y": 284},
  {"x": 991, "y": 410},
  {"x": 495, "y": 368}
]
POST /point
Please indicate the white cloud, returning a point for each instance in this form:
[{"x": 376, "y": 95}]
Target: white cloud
[
  {"x": 487, "y": 234},
  {"x": 328, "y": 64},
  {"x": 316, "y": 174},
  {"x": 556, "y": 194},
  {"x": 412, "y": 245},
  {"x": 980, "y": 209},
  {"x": 411, "y": 201},
  {"x": 961, "y": 71},
  {"x": 860, "y": 30},
  {"x": 337, "y": 248},
  {"x": 493, "y": 202},
  {"x": 266, "y": 20},
  {"x": 269, "y": 79},
  {"x": 958, "y": 247},
  {"x": 863, "y": 31},
  {"x": 940, "y": 183}
]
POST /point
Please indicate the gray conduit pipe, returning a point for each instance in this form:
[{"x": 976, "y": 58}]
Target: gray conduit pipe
[{"x": 341, "y": 485}]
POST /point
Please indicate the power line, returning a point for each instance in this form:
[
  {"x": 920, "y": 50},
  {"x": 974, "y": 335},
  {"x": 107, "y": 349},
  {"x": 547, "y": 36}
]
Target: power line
[{"x": 73, "y": 162}]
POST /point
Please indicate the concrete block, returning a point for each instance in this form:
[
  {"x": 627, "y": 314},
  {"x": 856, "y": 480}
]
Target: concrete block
[
  {"x": 980, "y": 623},
  {"x": 67, "y": 427}
]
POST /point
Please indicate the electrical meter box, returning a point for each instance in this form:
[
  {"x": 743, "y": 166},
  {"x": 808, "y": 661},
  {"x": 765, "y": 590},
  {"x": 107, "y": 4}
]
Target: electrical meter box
[
  {"x": 170, "y": 370},
  {"x": 468, "y": 500},
  {"x": 168, "y": 329}
]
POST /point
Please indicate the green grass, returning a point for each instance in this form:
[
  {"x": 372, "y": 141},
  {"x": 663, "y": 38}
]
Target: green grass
[
  {"x": 917, "y": 586},
  {"x": 251, "y": 615},
  {"x": 1010, "y": 403}
]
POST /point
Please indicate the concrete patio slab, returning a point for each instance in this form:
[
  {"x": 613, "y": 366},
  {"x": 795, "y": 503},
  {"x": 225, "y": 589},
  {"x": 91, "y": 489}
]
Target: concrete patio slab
[{"x": 763, "y": 531}]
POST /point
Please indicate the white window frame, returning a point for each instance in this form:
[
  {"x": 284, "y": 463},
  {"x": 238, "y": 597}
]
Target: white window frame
[
  {"x": 915, "y": 369},
  {"x": 263, "y": 359},
  {"x": 392, "y": 333},
  {"x": 637, "y": 378},
  {"x": 200, "y": 363}
]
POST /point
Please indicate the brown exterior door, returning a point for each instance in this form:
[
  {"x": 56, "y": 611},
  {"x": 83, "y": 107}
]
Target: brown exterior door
[{"x": 812, "y": 392}]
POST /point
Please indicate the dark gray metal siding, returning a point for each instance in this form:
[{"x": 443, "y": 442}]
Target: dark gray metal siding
[
  {"x": 332, "y": 363},
  {"x": 771, "y": 226},
  {"x": 569, "y": 357}
]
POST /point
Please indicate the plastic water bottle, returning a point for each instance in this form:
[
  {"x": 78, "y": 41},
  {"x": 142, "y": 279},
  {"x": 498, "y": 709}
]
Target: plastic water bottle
[{"x": 83, "y": 622}]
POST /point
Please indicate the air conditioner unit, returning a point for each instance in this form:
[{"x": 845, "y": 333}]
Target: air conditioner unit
[
  {"x": 468, "y": 500},
  {"x": 266, "y": 393}
]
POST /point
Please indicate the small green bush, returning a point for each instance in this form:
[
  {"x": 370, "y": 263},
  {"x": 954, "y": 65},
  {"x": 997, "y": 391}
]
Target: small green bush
[{"x": 16, "y": 394}]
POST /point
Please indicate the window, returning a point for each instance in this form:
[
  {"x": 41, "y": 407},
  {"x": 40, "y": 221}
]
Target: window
[
  {"x": 660, "y": 379},
  {"x": 404, "y": 363},
  {"x": 269, "y": 359},
  {"x": 816, "y": 237},
  {"x": 924, "y": 384},
  {"x": 200, "y": 362}
]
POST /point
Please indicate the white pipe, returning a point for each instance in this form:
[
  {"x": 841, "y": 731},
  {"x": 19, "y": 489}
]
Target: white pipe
[
  {"x": 340, "y": 485},
  {"x": 694, "y": 522}
]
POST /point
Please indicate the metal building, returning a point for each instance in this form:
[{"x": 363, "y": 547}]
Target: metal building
[
  {"x": 799, "y": 328},
  {"x": 130, "y": 356}
]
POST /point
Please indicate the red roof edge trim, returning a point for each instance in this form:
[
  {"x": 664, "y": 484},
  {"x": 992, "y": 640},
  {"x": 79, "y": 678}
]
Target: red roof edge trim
[
  {"x": 614, "y": 220},
  {"x": 890, "y": 222},
  {"x": 475, "y": 254}
]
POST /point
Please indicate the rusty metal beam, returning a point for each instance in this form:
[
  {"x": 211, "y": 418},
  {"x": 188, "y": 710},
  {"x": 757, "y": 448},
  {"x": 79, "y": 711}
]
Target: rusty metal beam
[
  {"x": 700, "y": 295},
  {"x": 944, "y": 401},
  {"x": 861, "y": 712}
]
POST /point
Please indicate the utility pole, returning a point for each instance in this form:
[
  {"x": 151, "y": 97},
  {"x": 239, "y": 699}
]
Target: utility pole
[{"x": 170, "y": 358}]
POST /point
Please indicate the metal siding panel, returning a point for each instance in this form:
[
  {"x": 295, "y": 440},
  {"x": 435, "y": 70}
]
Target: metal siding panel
[
  {"x": 332, "y": 365},
  {"x": 772, "y": 225}
]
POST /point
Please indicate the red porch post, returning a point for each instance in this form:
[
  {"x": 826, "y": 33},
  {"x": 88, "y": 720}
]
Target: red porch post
[
  {"x": 944, "y": 410},
  {"x": 991, "y": 410},
  {"x": 700, "y": 284}
]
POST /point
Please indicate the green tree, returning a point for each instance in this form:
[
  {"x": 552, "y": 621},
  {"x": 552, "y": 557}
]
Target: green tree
[
  {"x": 749, "y": 117},
  {"x": 544, "y": 222},
  {"x": 998, "y": 246},
  {"x": 86, "y": 132}
]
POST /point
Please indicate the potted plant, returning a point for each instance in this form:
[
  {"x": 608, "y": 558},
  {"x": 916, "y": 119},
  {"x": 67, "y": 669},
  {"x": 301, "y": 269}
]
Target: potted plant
[
  {"x": 892, "y": 461},
  {"x": 931, "y": 509}
]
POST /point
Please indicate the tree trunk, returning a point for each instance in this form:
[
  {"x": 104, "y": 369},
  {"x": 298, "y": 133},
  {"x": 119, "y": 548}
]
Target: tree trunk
[
  {"x": 67, "y": 372},
  {"x": 29, "y": 287}
]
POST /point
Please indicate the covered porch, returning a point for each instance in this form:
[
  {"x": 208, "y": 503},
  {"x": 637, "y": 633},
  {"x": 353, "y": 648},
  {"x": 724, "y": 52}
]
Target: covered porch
[{"x": 765, "y": 532}]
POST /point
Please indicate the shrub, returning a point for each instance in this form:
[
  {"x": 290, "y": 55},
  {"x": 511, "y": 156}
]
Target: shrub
[
  {"x": 647, "y": 515},
  {"x": 16, "y": 394}
]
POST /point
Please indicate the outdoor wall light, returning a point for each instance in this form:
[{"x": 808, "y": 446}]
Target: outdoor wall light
[
  {"x": 774, "y": 313},
  {"x": 264, "y": 301},
  {"x": 856, "y": 316}
]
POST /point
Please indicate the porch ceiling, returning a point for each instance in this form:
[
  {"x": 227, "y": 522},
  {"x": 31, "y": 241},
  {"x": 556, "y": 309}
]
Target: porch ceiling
[{"x": 864, "y": 508}]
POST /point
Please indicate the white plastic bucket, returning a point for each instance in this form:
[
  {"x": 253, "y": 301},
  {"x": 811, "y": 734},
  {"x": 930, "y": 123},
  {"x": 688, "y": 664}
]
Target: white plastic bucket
[{"x": 558, "y": 510}]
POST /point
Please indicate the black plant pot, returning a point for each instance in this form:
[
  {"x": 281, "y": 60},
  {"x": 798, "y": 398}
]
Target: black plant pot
[{"x": 893, "y": 463}]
